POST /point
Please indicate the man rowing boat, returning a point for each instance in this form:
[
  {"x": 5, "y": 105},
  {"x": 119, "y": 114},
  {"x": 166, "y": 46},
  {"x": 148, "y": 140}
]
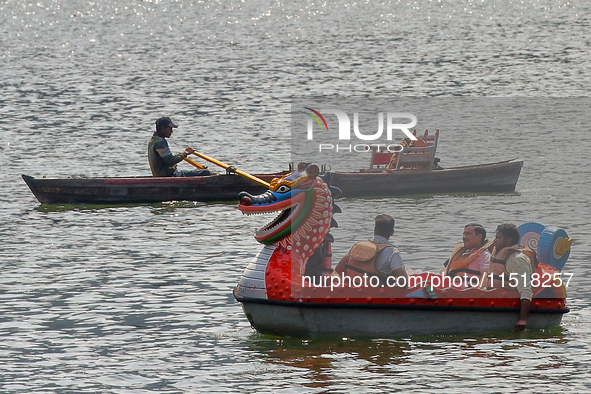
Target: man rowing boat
[{"x": 162, "y": 161}]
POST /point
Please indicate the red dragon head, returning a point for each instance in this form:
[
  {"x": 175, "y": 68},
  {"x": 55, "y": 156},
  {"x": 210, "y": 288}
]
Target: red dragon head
[{"x": 305, "y": 205}]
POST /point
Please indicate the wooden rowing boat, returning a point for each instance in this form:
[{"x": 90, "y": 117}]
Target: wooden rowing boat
[
  {"x": 495, "y": 177},
  {"x": 409, "y": 172},
  {"x": 135, "y": 190}
]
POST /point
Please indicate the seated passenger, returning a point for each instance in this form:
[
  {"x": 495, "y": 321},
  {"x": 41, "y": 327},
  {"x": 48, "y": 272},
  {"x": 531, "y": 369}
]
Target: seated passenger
[
  {"x": 471, "y": 257},
  {"x": 318, "y": 265},
  {"x": 436, "y": 165},
  {"x": 508, "y": 258},
  {"x": 375, "y": 257},
  {"x": 393, "y": 163}
]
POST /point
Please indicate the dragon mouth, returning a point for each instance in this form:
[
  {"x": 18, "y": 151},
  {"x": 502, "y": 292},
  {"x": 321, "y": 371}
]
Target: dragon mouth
[
  {"x": 280, "y": 227},
  {"x": 279, "y": 223}
]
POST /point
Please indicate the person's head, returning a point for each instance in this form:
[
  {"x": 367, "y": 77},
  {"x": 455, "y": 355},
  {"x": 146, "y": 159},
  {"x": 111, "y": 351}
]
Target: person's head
[
  {"x": 302, "y": 166},
  {"x": 507, "y": 235},
  {"x": 384, "y": 226},
  {"x": 164, "y": 126},
  {"x": 474, "y": 236}
]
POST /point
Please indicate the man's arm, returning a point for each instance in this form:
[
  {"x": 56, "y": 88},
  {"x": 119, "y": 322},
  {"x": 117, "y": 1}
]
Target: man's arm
[
  {"x": 164, "y": 152},
  {"x": 397, "y": 266},
  {"x": 399, "y": 272},
  {"x": 523, "y": 312},
  {"x": 521, "y": 265}
]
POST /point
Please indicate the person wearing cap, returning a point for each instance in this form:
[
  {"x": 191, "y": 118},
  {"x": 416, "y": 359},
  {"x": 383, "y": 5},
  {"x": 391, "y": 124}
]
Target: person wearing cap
[{"x": 162, "y": 161}]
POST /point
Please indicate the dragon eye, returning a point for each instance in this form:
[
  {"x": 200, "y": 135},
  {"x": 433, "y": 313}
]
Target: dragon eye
[{"x": 283, "y": 189}]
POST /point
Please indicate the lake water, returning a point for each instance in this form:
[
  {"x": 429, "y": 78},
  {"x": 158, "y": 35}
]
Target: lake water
[{"x": 134, "y": 299}]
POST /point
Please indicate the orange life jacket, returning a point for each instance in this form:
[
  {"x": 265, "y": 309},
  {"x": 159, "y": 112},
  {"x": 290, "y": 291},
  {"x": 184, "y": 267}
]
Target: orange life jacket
[
  {"x": 362, "y": 257},
  {"x": 419, "y": 143},
  {"x": 462, "y": 257},
  {"x": 498, "y": 260}
]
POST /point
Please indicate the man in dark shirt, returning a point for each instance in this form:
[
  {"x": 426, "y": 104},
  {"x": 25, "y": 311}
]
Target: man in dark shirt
[{"x": 162, "y": 161}]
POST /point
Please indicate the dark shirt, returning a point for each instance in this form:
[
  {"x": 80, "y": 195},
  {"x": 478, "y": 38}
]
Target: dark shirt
[{"x": 162, "y": 161}]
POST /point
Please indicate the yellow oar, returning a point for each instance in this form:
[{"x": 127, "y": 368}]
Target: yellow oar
[
  {"x": 194, "y": 163},
  {"x": 223, "y": 165}
]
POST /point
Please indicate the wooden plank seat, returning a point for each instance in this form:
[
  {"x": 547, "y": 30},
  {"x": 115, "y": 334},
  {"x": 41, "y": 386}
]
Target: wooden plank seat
[{"x": 410, "y": 158}]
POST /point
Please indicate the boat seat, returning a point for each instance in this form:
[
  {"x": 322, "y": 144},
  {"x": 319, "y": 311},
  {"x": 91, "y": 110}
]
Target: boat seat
[{"x": 411, "y": 158}]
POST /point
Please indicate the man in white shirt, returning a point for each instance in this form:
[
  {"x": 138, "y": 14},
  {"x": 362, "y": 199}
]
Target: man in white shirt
[{"x": 508, "y": 259}]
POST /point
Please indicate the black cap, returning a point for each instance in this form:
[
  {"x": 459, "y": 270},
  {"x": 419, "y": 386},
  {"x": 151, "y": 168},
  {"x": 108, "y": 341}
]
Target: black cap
[{"x": 165, "y": 121}]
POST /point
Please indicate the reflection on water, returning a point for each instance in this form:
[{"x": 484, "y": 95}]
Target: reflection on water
[
  {"x": 416, "y": 363},
  {"x": 123, "y": 299},
  {"x": 167, "y": 206},
  {"x": 317, "y": 353},
  {"x": 322, "y": 356}
]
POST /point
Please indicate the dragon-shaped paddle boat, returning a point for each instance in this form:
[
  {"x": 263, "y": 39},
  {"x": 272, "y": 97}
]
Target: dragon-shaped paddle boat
[{"x": 290, "y": 289}]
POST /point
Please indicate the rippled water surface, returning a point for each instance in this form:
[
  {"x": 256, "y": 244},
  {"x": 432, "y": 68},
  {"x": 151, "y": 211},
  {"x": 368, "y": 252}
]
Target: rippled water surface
[{"x": 132, "y": 299}]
